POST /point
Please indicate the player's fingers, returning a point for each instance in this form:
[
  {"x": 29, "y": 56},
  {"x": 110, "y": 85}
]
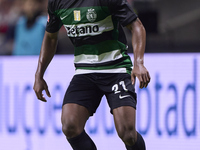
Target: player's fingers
[
  {"x": 47, "y": 92},
  {"x": 43, "y": 98},
  {"x": 144, "y": 77},
  {"x": 148, "y": 78},
  {"x": 40, "y": 96},
  {"x": 141, "y": 81},
  {"x": 145, "y": 80},
  {"x": 133, "y": 79},
  {"x": 141, "y": 84}
]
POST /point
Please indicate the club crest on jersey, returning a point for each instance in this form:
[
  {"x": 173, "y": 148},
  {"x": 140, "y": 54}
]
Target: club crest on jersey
[
  {"x": 91, "y": 15},
  {"x": 77, "y": 15}
]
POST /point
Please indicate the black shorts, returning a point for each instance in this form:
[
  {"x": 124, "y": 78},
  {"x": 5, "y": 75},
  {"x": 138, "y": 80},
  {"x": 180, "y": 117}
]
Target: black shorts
[{"x": 88, "y": 89}]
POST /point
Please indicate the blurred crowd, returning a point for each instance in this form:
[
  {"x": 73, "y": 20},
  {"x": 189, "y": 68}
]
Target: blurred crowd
[
  {"x": 22, "y": 27},
  {"x": 21, "y": 23}
]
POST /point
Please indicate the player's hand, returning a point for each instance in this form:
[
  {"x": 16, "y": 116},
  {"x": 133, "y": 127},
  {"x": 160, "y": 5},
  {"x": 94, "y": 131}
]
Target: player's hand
[
  {"x": 38, "y": 87},
  {"x": 142, "y": 74}
]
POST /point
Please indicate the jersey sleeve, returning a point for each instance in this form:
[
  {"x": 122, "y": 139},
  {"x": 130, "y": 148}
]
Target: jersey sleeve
[
  {"x": 122, "y": 11},
  {"x": 53, "y": 23}
]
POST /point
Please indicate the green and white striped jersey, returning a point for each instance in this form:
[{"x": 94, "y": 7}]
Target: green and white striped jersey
[{"x": 95, "y": 29}]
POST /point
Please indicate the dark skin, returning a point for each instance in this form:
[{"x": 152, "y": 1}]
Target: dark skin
[
  {"x": 76, "y": 115},
  {"x": 49, "y": 48},
  {"x": 138, "y": 43}
]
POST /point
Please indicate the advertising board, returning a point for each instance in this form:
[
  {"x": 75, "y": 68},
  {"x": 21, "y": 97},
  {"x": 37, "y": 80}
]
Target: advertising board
[{"x": 168, "y": 110}]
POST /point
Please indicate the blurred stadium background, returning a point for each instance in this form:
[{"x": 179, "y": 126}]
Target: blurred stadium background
[
  {"x": 168, "y": 110},
  {"x": 171, "y": 25}
]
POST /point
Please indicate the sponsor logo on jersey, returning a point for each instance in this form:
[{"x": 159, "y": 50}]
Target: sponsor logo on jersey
[
  {"x": 82, "y": 30},
  {"x": 91, "y": 15},
  {"x": 62, "y": 18},
  {"x": 77, "y": 15},
  {"x": 89, "y": 29}
]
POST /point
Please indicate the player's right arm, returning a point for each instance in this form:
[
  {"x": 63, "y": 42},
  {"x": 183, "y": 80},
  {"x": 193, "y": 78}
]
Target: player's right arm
[{"x": 47, "y": 52}]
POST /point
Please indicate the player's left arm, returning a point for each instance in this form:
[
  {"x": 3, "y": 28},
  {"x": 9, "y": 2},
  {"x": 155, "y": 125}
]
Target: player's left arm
[{"x": 139, "y": 43}]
